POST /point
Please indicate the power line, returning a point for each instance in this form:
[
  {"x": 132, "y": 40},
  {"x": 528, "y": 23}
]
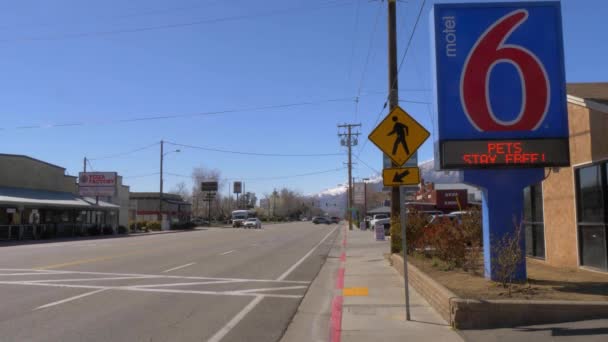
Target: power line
[
  {"x": 352, "y": 50},
  {"x": 368, "y": 166},
  {"x": 142, "y": 175},
  {"x": 407, "y": 47},
  {"x": 369, "y": 52},
  {"x": 178, "y": 25},
  {"x": 180, "y": 116},
  {"x": 254, "y": 153},
  {"x": 313, "y": 173},
  {"x": 122, "y": 154}
]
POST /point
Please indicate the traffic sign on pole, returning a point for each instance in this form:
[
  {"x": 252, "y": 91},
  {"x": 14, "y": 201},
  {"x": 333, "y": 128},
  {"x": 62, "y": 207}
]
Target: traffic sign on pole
[
  {"x": 401, "y": 176},
  {"x": 399, "y": 136}
]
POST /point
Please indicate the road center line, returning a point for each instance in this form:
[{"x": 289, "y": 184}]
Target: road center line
[
  {"x": 70, "y": 299},
  {"x": 226, "y": 253},
  {"x": 178, "y": 267}
]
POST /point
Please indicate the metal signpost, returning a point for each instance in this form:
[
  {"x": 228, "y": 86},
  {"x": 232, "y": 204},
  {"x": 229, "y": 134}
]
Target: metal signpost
[
  {"x": 399, "y": 136},
  {"x": 501, "y": 105},
  {"x": 210, "y": 189}
]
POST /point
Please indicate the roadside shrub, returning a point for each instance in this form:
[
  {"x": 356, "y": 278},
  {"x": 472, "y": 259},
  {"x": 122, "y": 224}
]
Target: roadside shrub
[
  {"x": 153, "y": 225},
  {"x": 107, "y": 230},
  {"x": 94, "y": 230},
  {"x": 122, "y": 230},
  {"x": 416, "y": 222},
  {"x": 507, "y": 254},
  {"x": 142, "y": 224},
  {"x": 395, "y": 235}
]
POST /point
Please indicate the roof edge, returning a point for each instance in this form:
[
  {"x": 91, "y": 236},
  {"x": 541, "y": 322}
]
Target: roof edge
[{"x": 587, "y": 103}]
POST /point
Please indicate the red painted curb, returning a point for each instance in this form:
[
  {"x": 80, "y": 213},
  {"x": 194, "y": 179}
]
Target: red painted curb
[
  {"x": 340, "y": 280},
  {"x": 343, "y": 257},
  {"x": 336, "y": 319}
]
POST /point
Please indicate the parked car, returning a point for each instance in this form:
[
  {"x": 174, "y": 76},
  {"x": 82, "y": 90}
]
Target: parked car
[
  {"x": 253, "y": 222},
  {"x": 386, "y": 222},
  {"x": 378, "y": 217},
  {"x": 200, "y": 222},
  {"x": 320, "y": 219},
  {"x": 335, "y": 219}
]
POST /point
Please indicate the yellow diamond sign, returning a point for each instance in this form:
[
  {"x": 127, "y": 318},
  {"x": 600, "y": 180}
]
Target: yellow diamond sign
[{"x": 399, "y": 136}]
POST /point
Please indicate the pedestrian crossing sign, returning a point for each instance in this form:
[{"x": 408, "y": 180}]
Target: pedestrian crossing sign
[{"x": 399, "y": 136}]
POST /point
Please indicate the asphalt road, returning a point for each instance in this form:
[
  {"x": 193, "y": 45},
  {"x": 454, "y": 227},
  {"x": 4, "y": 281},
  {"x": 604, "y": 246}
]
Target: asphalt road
[{"x": 206, "y": 285}]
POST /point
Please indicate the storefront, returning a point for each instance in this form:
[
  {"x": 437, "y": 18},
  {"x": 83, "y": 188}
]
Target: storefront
[
  {"x": 566, "y": 216},
  {"x": 37, "y": 200}
]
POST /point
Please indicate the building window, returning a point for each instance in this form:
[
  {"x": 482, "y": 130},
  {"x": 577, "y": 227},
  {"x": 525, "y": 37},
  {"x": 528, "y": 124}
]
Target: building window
[
  {"x": 591, "y": 199},
  {"x": 534, "y": 221}
]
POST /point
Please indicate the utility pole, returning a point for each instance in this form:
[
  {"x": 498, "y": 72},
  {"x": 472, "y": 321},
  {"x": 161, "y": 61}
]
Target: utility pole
[
  {"x": 160, "y": 196},
  {"x": 348, "y": 141},
  {"x": 393, "y": 86},
  {"x": 397, "y": 208},
  {"x": 365, "y": 200},
  {"x": 84, "y": 165}
]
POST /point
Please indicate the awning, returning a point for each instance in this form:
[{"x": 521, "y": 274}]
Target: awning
[
  {"x": 18, "y": 197},
  {"x": 380, "y": 210},
  {"x": 31, "y": 197}
]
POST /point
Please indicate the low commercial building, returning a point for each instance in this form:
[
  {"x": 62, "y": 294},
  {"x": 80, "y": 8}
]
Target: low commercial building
[
  {"x": 38, "y": 199},
  {"x": 121, "y": 199},
  {"x": 566, "y": 216},
  {"x": 145, "y": 206}
]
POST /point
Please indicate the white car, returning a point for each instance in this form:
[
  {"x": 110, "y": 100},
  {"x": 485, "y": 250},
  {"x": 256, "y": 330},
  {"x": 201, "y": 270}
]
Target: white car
[
  {"x": 253, "y": 222},
  {"x": 376, "y": 218}
]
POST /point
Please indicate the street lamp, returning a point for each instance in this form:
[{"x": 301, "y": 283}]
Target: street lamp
[{"x": 162, "y": 157}]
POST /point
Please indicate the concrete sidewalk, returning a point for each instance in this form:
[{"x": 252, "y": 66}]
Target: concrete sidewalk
[
  {"x": 380, "y": 315},
  {"x": 358, "y": 296}
]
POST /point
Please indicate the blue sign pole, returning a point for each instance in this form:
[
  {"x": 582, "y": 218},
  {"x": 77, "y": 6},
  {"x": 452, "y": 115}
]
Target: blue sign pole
[{"x": 502, "y": 196}]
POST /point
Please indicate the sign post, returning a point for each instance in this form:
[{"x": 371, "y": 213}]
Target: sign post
[
  {"x": 501, "y": 106},
  {"x": 399, "y": 136}
]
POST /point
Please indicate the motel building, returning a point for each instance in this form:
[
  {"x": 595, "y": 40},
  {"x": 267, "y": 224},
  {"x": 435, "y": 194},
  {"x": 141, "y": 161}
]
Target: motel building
[
  {"x": 566, "y": 215},
  {"x": 38, "y": 200}
]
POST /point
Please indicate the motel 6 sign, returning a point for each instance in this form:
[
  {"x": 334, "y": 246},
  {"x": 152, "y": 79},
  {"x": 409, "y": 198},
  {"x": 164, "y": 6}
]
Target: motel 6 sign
[{"x": 501, "y": 97}]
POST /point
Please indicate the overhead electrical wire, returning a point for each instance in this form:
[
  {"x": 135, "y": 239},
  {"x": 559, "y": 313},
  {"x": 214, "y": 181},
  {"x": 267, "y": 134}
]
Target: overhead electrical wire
[
  {"x": 369, "y": 52},
  {"x": 254, "y": 153},
  {"x": 407, "y": 47},
  {"x": 313, "y": 173},
  {"x": 179, "y": 116},
  {"x": 89, "y": 34},
  {"x": 354, "y": 42},
  {"x": 122, "y": 154}
]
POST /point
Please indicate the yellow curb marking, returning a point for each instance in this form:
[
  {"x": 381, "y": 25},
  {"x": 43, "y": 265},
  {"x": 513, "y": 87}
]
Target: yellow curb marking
[{"x": 355, "y": 291}]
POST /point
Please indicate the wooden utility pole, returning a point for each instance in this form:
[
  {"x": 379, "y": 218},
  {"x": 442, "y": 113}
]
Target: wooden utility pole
[
  {"x": 160, "y": 195},
  {"x": 393, "y": 84},
  {"x": 348, "y": 141}
]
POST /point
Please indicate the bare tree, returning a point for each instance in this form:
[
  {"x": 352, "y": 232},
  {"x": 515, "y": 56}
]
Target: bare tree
[
  {"x": 508, "y": 255},
  {"x": 182, "y": 189}
]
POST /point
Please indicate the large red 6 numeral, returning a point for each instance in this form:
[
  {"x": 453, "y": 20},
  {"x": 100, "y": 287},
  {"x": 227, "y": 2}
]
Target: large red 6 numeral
[{"x": 475, "y": 81}]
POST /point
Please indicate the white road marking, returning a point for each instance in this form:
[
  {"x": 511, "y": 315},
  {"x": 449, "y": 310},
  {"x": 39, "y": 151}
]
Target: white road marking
[
  {"x": 194, "y": 283},
  {"x": 235, "y": 320},
  {"x": 273, "y": 288},
  {"x": 239, "y": 316},
  {"x": 140, "y": 289},
  {"x": 179, "y": 267},
  {"x": 163, "y": 276},
  {"x": 294, "y": 266},
  {"x": 85, "y": 279},
  {"x": 19, "y": 274},
  {"x": 70, "y": 299},
  {"x": 226, "y": 253}
]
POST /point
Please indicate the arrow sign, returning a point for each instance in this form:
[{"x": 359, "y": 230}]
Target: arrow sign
[
  {"x": 401, "y": 176},
  {"x": 398, "y": 178}
]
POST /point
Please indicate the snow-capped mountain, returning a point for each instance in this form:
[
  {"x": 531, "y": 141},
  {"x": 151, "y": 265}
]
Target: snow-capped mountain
[{"x": 334, "y": 199}]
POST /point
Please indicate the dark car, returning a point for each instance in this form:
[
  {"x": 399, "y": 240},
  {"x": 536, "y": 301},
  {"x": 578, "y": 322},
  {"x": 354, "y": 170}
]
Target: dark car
[
  {"x": 335, "y": 219},
  {"x": 319, "y": 220}
]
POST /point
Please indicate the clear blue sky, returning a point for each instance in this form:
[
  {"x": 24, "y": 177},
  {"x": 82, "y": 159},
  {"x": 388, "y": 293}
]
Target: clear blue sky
[{"x": 57, "y": 68}]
